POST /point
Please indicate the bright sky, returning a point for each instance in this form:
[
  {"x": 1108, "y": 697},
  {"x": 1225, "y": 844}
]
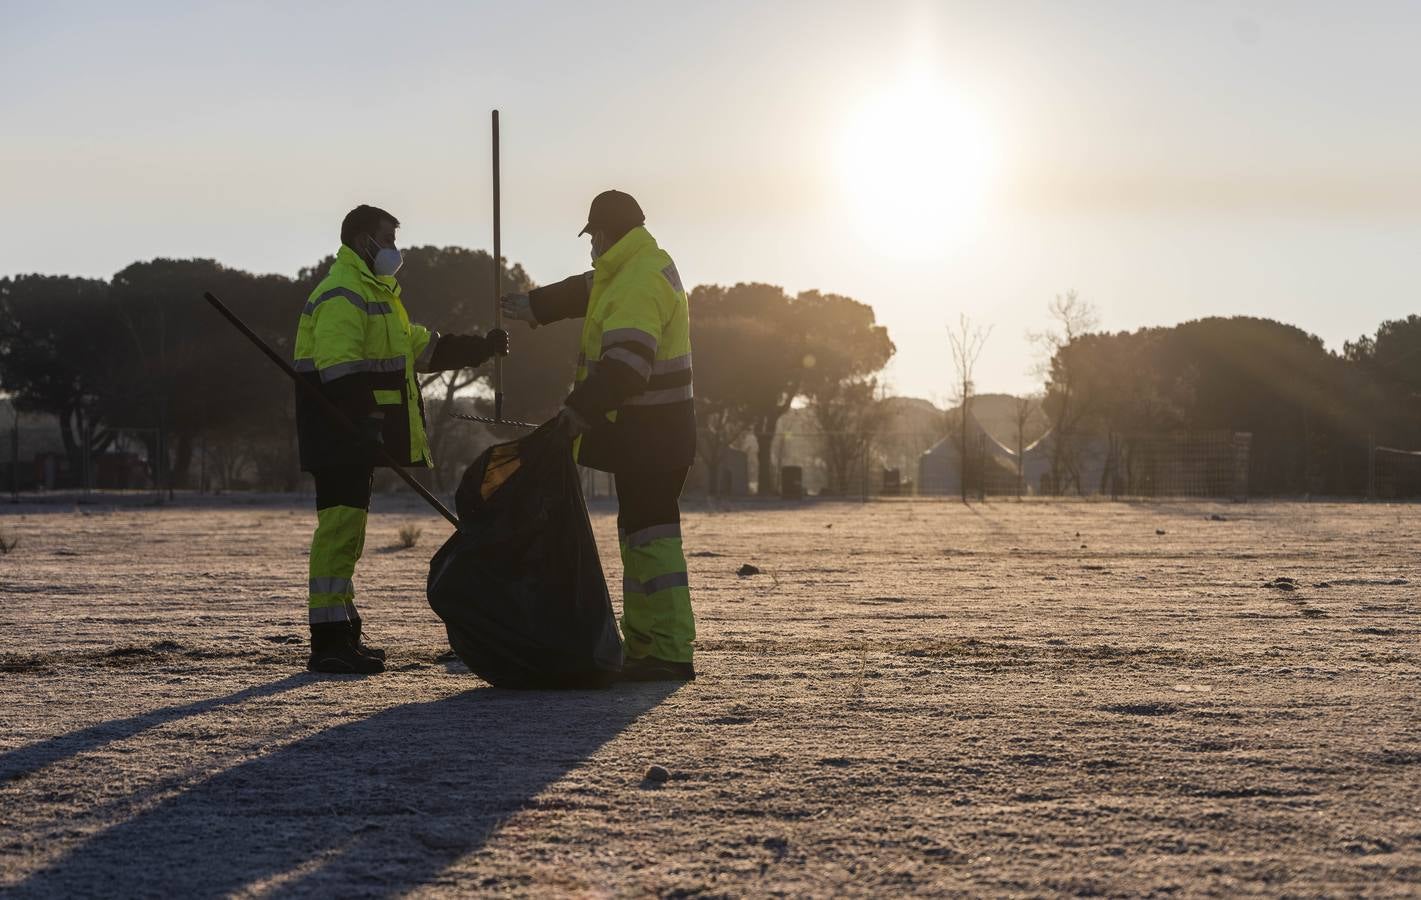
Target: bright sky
[{"x": 1168, "y": 160}]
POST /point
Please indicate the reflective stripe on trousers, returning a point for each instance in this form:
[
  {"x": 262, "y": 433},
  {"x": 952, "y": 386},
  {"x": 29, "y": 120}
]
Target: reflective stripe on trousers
[
  {"x": 656, "y": 600},
  {"x": 335, "y": 548}
]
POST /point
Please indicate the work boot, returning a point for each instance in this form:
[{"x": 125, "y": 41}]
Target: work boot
[
  {"x": 333, "y": 651},
  {"x": 372, "y": 652},
  {"x": 649, "y": 668}
]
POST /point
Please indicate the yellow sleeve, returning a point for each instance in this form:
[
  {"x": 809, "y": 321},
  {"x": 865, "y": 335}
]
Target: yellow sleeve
[
  {"x": 419, "y": 339},
  {"x": 634, "y": 316}
]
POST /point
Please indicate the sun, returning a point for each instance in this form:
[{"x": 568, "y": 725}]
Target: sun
[{"x": 916, "y": 164}]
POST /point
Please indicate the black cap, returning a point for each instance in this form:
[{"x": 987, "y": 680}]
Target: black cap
[{"x": 616, "y": 211}]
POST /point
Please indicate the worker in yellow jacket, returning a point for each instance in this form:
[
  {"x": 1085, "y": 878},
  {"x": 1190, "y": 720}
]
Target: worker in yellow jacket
[
  {"x": 633, "y": 414},
  {"x": 357, "y": 343}
]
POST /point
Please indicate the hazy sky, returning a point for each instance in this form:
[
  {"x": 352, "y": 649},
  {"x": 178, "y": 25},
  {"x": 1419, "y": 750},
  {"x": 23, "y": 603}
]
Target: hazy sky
[{"x": 1168, "y": 160}]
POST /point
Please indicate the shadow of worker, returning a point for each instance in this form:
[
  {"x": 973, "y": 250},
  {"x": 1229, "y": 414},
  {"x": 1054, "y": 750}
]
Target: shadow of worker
[
  {"x": 375, "y": 807},
  {"x": 27, "y": 760}
]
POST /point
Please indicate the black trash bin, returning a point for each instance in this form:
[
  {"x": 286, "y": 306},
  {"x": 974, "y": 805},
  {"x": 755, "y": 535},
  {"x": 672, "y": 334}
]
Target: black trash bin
[{"x": 791, "y": 483}]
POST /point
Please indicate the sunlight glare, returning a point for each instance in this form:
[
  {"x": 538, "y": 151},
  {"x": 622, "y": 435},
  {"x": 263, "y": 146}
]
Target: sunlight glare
[{"x": 916, "y": 164}]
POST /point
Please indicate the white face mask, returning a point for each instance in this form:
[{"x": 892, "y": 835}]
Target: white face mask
[{"x": 387, "y": 259}]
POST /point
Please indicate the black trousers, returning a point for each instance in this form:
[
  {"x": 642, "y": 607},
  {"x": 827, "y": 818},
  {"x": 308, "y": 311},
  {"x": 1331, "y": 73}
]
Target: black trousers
[
  {"x": 657, "y": 620},
  {"x": 343, "y": 486},
  {"x": 647, "y": 498}
]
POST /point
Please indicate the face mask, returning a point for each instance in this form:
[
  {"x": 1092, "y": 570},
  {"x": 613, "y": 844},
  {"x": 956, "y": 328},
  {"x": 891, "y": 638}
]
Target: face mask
[{"x": 387, "y": 259}]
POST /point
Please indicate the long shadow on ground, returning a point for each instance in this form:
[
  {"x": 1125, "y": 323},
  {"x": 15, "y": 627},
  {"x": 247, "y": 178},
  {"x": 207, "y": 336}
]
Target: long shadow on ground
[
  {"x": 370, "y": 808},
  {"x": 27, "y": 760}
]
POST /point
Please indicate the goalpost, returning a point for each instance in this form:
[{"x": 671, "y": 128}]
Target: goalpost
[{"x": 1394, "y": 474}]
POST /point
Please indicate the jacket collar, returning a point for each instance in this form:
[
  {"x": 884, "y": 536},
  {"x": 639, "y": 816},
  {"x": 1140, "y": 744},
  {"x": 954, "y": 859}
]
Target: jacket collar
[
  {"x": 631, "y": 243},
  {"x": 348, "y": 257}
]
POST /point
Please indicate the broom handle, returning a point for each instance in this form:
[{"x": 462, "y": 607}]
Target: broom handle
[{"x": 331, "y": 410}]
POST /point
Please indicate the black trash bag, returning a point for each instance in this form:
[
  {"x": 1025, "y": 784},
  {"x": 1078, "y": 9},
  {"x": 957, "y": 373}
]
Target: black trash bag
[{"x": 520, "y": 585}]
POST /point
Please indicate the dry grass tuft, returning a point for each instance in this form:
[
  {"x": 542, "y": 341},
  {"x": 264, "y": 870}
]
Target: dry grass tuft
[{"x": 409, "y": 535}]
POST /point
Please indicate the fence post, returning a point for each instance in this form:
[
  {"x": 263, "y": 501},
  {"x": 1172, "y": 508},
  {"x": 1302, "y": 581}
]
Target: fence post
[
  {"x": 15, "y": 454},
  {"x": 86, "y": 434},
  {"x": 863, "y": 469},
  {"x": 160, "y": 470},
  {"x": 1371, "y": 466},
  {"x": 1243, "y": 446},
  {"x": 1113, "y": 464},
  {"x": 982, "y": 468},
  {"x": 1020, "y": 468}
]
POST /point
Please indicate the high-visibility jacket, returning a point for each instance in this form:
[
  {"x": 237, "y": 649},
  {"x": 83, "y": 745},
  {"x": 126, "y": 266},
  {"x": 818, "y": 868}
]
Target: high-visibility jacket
[
  {"x": 357, "y": 342},
  {"x": 634, "y": 370}
]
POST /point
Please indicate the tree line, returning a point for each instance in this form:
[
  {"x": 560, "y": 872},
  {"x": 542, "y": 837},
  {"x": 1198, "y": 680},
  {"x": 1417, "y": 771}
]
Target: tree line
[
  {"x": 142, "y": 358},
  {"x": 1313, "y": 416}
]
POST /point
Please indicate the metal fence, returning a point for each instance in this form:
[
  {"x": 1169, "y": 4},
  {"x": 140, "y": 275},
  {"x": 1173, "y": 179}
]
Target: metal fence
[
  {"x": 934, "y": 465},
  {"x": 800, "y": 464},
  {"x": 35, "y": 461},
  {"x": 1394, "y": 474}
]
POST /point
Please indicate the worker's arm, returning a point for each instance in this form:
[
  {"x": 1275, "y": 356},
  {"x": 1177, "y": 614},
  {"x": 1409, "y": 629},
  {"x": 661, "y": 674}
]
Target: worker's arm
[
  {"x": 630, "y": 337},
  {"x": 461, "y": 351},
  {"x": 567, "y": 299}
]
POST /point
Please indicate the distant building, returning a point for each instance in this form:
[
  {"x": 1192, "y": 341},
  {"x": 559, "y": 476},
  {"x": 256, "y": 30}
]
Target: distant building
[
  {"x": 732, "y": 476},
  {"x": 33, "y": 457},
  {"x": 30, "y": 447}
]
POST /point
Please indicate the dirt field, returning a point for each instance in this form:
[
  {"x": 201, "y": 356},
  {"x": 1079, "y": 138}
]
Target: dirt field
[{"x": 914, "y": 698}]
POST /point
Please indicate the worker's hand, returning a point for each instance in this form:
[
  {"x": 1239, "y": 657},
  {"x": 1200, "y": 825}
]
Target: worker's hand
[
  {"x": 573, "y": 423},
  {"x": 497, "y": 342},
  {"x": 518, "y": 306}
]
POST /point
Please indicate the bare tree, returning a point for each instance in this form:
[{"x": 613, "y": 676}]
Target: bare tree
[
  {"x": 967, "y": 340},
  {"x": 1073, "y": 317},
  {"x": 443, "y": 389},
  {"x": 1026, "y": 416},
  {"x": 848, "y": 414},
  {"x": 1021, "y": 412},
  {"x": 722, "y": 426}
]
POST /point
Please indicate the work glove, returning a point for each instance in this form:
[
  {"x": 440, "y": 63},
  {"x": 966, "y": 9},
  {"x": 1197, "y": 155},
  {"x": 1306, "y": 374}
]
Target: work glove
[
  {"x": 465, "y": 351},
  {"x": 519, "y": 307},
  {"x": 498, "y": 342},
  {"x": 572, "y": 423}
]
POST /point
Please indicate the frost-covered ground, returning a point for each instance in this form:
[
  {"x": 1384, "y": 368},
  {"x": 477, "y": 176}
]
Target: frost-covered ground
[{"x": 1039, "y": 698}]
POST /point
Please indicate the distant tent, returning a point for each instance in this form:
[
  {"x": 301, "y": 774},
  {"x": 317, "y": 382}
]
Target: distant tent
[{"x": 940, "y": 469}]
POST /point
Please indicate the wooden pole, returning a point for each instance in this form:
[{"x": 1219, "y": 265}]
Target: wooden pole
[{"x": 497, "y": 276}]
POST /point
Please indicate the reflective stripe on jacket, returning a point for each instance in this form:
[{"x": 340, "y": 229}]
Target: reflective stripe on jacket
[
  {"x": 356, "y": 341},
  {"x": 634, "y": 371}
]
